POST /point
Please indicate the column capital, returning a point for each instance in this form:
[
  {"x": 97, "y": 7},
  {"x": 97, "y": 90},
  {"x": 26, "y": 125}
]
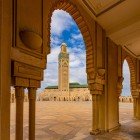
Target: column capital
[
  {"x": 135, "y": 93},
  {"x": 97, "y": 82},
  {"x": 19, "y": 92}
]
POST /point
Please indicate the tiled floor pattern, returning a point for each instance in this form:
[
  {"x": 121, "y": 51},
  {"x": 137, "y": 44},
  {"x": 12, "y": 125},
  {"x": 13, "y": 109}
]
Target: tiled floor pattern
[{"x": 72, "y": 121}]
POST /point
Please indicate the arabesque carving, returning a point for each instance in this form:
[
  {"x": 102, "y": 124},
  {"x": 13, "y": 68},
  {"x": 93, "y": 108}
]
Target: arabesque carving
[{"x": 96, "y": 84}]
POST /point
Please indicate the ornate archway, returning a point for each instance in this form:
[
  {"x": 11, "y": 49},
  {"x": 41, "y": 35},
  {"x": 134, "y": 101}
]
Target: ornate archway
[
  {"x": 82, "y": 25},
  {"x": 78, "y": 18},
  {"x": 133, "y": 84},
  {"x": 95, "y": 70}
]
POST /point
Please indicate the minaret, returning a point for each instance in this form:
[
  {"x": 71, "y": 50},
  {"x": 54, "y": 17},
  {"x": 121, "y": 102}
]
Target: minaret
[{"x": 63, "y": 69}]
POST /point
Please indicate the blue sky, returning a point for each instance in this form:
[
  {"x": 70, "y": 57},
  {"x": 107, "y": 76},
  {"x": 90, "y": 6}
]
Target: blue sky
[{"x": 64, "y": 29}]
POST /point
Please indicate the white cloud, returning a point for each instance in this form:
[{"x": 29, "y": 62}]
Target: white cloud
[
  {"x": 61, "y": 21},
  {"x": 77, "y": 36},
  {"x": 55, "y": 41},
  {"x": 75, "y": 63},
  {"x": 53, "y": 56},
  {"x": 78, "y": 75},
  {"x": 77, "y": 59}
]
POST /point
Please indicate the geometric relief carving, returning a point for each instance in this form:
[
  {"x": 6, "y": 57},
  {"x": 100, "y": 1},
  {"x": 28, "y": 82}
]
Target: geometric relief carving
[{"x": 27, "y": 71}]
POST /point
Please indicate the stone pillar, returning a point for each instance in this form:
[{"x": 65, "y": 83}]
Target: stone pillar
[
  {"x": 136, "y": 102},
  {"x": 96, "y": 89},
  {"x": 19, "y": 92},
  {"x": 5, "y": 69},
  {"x": 138, "y": 108},
  {"x": 119, "y": 91},
  {"x": 134, "y": 106},
  {"x": 95, "y": 115},
  {"x": 32, "y": 100}
]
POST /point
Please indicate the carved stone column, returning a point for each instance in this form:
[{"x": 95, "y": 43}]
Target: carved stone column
[
  {"x": 32, "y": 100},
  {"x": 119, "y": 91},
  {"x": 135, "y": 94},
  {"x": 96, "y": 86},
  {"x": 134, "y": 106},
  {"x": 138, "y": 108},
  {"x": 95, "y": 115},
  {"x": 19, "y": 92},
  {"x": 138, "y": 103}
]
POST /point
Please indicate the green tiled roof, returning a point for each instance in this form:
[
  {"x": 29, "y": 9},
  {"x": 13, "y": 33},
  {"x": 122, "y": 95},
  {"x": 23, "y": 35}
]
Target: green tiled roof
[
  {"x": 71, "y": 85},
  {"x": 52, "y": 87},
  {"x": 77, "y": 85}
]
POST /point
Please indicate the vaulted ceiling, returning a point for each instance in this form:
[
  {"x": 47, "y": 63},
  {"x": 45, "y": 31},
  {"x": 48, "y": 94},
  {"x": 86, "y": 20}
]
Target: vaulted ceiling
[{"x": 120, "y": 19}]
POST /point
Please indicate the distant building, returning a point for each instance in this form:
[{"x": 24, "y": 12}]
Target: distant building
[{"x": 65, "y": 91}]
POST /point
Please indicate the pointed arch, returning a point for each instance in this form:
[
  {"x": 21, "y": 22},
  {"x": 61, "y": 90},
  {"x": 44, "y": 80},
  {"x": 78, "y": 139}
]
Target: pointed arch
[
  {"x": 72, "y": 9},
  {"x": 133, "y": 84}
]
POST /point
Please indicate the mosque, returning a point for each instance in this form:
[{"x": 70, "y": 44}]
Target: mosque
[
  {"x": 65, "y": 91},
  {"x": 111, "y": 34}
]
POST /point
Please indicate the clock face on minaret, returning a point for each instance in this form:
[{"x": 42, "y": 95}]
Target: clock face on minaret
[{"x": 63, "y": 60}]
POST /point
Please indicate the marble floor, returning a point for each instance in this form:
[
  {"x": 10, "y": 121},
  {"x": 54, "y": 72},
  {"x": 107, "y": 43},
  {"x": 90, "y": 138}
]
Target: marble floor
[{"x": 72, "y": 121}]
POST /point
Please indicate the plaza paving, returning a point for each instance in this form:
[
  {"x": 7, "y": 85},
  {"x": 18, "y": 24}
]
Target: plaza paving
[{"x": 72, "y": 121}]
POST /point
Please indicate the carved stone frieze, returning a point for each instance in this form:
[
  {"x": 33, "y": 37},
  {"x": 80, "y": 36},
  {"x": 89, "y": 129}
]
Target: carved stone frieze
[
  {"x": 17, "y": 55},
  {"x": 25, "y": 82},
  {"x": 26, "y": 71}
]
